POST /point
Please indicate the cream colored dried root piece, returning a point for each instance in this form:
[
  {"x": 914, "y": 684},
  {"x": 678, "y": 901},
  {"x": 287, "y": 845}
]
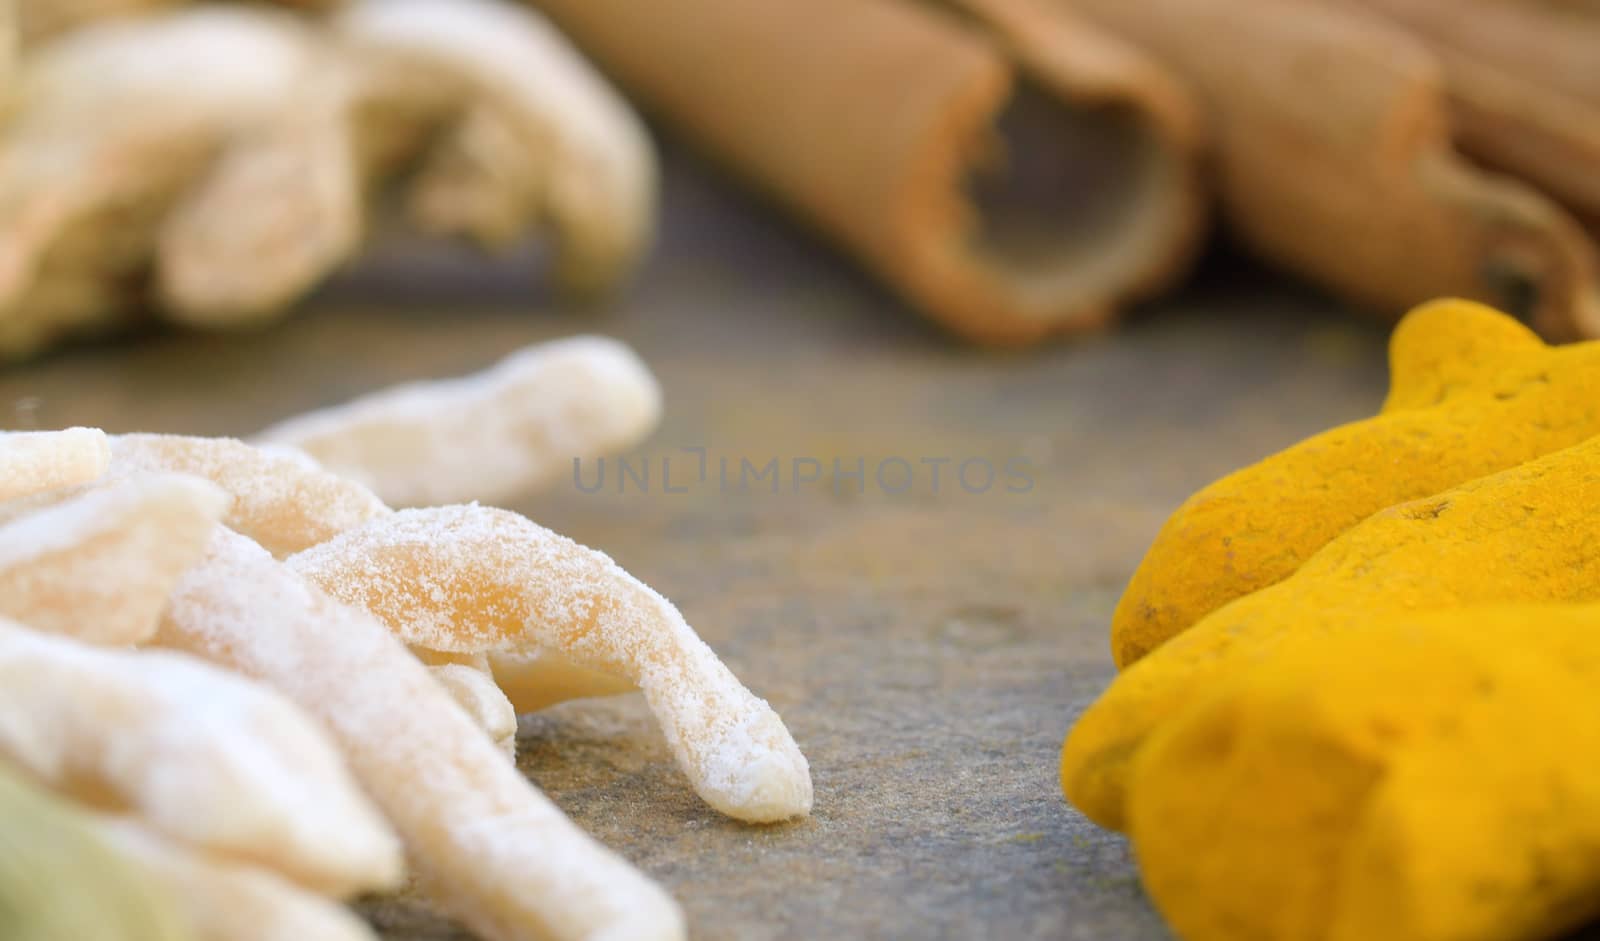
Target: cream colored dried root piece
[
  {"x": 472, "y": 579},
  {"x": 474, "y": 690},
  {"x": 33, "y": 461},
  {"x": 112, "y": 125},
  {"x": 98, "y": 566},
  {"x": 281, "y": 500},
  {"x": 205, "y": 757},
  {"x": 221, "y": 900},
  {"x": 505, "y": 431},
  {"x": 483, "y": 841},
  {"x": 514, "y": 126}
]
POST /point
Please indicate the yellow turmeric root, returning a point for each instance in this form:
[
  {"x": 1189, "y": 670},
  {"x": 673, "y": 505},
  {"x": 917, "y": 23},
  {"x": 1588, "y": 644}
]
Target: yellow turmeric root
[
  {"x": 1425, "y": 778},
  {"x": 1473, "y": 393},
  {"x": 1523, "y": 535}
]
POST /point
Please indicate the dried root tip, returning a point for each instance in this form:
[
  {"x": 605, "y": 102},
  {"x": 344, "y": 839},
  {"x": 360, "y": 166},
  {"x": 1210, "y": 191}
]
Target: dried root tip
[
  {"x": 503, "y": 432},
  {"x": 35, "y": 461},
  {"x": 474, "y": 579},
  {"x": 249, "y": 778}
]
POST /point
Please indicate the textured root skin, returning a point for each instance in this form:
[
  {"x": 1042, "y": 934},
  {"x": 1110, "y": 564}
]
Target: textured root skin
[
  {"x": 1474, "y": 393},
  {"x": 1510, "y": 537}
]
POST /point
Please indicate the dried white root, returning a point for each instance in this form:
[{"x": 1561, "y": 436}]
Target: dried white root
[
  {"x": 98, "y": 566},
  {"x": 500, "y": 433},
  {"x": 207, "y": 758},
  {"x": 279, "y": 498},
  {"x": 533, "y": 131},
  {"x": 483, "y": 841},
  {"x": 284, "y": 500},
  {"x": 124, "y": 180},
  {"x": 34, "y": 461},
  {"x": 110, "y": 128},
  {"x": 472, "y": 579},
  {"x": 220, "y": 900}
]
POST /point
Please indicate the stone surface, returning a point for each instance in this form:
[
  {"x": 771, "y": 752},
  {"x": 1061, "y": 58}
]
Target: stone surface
[{"x": 928, "y": 648}]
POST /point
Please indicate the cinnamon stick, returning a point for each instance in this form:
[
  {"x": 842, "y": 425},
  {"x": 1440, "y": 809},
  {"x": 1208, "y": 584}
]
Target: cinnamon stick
[
  {"x": 1524, "y": 83},
  {"x": 1335, "y": 157},
  {"x": 1008, "y": 169}
]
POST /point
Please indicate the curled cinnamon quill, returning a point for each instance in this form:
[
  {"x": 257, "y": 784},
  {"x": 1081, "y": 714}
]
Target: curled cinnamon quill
[
  {"x": 1335, "y": 158},
  {"x": 1010, "y": 170},
  {"x": 1524, "y": 82}
]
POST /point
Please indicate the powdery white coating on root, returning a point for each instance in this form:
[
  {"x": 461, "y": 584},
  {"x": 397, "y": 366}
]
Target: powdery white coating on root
[
  {"x": 208, "y": 758},
  {"x": 502, "y": 432},
  {"x": 225, "y": 901},
  {"x": 281, "y": 499},
  {"x": 476, "y": 579},
  {"x": 474, "y": 690},
  {"x": 98, "y": 566},
  {"x": 593, "y": 171},
  {"x": 33, "y": 461},
  {"x": 484, "y": 843}
]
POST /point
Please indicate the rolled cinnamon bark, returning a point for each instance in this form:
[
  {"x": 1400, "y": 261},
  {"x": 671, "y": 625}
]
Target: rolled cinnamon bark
[
  {"x": 1012, "y": 172},
  {"x": 1524, "y": 81},
  {"x": 1335, "y": 158}
]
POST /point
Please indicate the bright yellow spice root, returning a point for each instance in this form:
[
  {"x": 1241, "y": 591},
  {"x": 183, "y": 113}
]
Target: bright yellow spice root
[
  {"x": 1416, "y": 778},
  {"x": 1473, "y": 393},
  {"x": 1517, "y": 536}
]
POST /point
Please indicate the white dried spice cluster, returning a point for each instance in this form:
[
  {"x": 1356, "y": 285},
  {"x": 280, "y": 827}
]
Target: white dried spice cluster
[
  {"x": 246, "y": 689},
  {"x": 216, "y": 162}
]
